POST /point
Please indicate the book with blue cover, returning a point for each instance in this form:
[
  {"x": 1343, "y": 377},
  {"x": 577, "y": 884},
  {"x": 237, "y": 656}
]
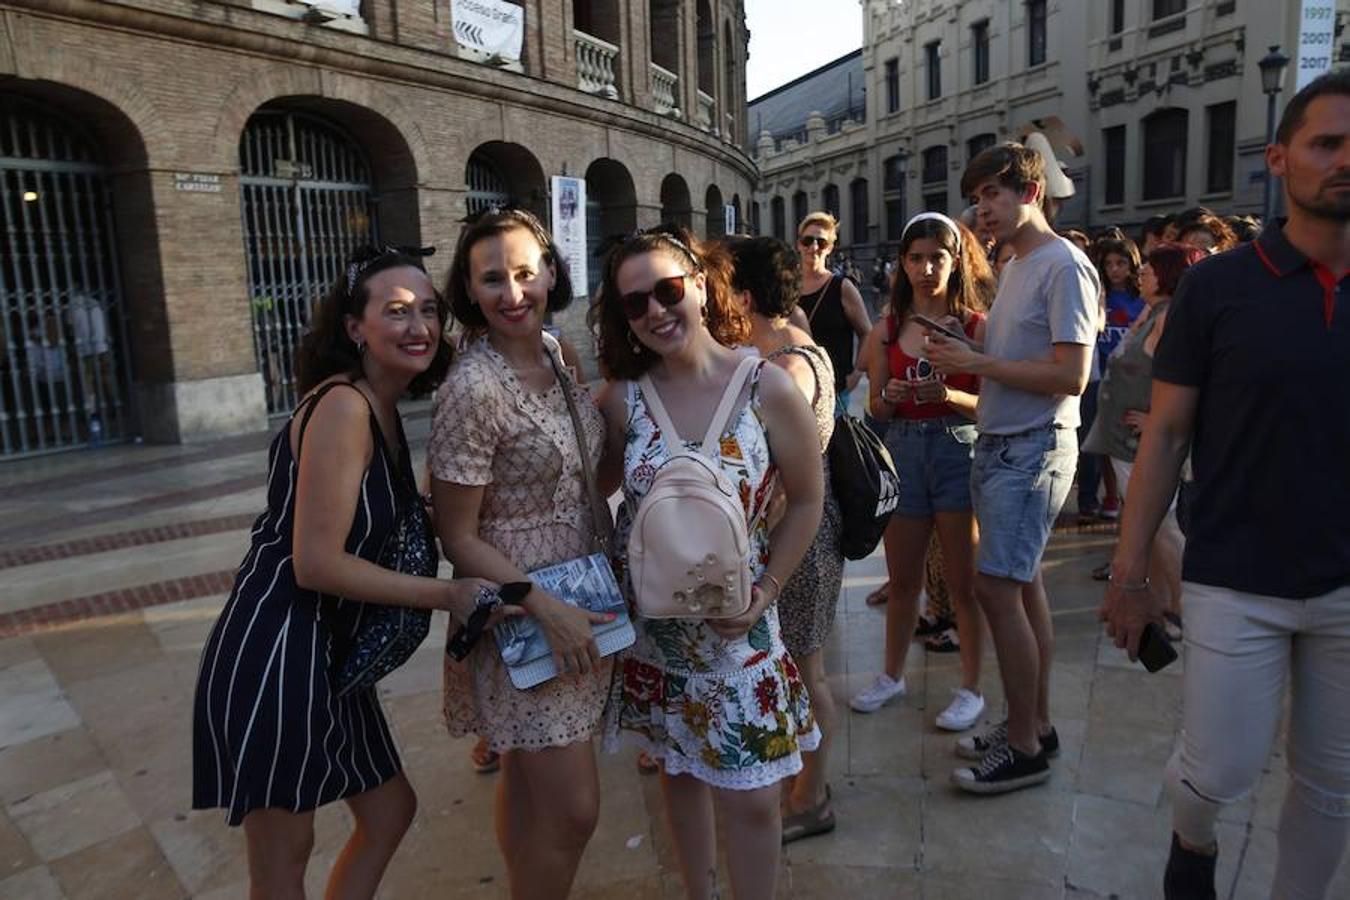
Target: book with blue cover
[{"x": 586, "y": 582}]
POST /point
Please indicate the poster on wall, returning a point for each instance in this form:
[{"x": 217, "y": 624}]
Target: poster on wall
[
  {"x": 494, "y": 27},
  {"x": 729, "y": 218},
  {"x": 1316, "y": 39},
  {"x": 569, "y": 227}
]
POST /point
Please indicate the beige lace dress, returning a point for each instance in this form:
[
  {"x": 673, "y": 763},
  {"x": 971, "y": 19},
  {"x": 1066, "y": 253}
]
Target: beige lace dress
[{"x": 488, "y": 430}]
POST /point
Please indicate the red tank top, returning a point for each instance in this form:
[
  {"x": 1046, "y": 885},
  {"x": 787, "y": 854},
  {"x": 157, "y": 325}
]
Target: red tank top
[{"x": 909, "y": 368}]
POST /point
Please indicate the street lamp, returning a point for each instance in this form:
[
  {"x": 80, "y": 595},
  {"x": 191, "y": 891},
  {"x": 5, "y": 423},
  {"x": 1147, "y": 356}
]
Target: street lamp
[{"x": 1272, "y": 81}]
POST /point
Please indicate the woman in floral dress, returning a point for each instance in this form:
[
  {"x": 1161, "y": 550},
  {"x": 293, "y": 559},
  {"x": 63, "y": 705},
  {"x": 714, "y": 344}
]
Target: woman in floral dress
[
  {"x": 718, "y": 701},
  {"x": 509, "y": 498}
]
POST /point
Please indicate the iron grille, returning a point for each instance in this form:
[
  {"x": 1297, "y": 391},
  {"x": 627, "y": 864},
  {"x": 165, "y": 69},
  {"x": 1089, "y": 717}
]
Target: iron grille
[
  {"x": 64, "y": 374},
  {"x": 307, "y": 204}
]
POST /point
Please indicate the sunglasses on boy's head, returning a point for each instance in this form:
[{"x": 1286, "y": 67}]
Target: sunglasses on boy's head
[
  {"x": 667, "y": 291},
  {"x": 808, "y": 240}
]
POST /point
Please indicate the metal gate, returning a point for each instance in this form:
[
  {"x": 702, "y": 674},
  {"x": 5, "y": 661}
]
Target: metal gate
[
  {"x": 64, "y": 365},
  {"x": 487, "y": 187},
  {"x": 307, "y": 204}
]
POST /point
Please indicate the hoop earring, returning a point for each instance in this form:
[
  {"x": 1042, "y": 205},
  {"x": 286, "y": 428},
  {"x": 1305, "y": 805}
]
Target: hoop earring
[
  {"x": 360, "y": 347},
  {"x": 634, "y": 344}
]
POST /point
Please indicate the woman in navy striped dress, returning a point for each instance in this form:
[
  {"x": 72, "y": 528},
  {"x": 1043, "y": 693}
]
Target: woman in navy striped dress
[{"x": 271, "y": 741}]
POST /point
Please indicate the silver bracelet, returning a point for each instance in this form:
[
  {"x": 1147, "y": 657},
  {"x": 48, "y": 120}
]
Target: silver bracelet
[{"x": 1131, "y": 588}]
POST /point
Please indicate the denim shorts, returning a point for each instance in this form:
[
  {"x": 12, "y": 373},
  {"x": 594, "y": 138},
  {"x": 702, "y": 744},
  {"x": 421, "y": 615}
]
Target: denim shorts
[
  {"x": 1019, "y": 483},
  {"x": 932, "y": 458}
]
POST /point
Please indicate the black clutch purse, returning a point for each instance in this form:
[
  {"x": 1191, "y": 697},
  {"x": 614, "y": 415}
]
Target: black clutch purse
[{"x": 386, "y": 636}]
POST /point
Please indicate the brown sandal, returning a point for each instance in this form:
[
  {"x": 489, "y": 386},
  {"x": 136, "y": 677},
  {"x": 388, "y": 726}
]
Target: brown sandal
[
  {"x": 809, "y": 822},
  {"x": 879, "y": 596}
]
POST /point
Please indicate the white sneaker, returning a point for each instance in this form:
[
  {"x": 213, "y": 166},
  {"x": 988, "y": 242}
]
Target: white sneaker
[
  {"x": 884, "y": 689},
  {"x": 964, "y": 711}
]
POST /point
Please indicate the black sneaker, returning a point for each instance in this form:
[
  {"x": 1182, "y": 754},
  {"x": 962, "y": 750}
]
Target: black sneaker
[
  {"x": 1189, "y": 875},
  {"x": 978, "y": 746},
  {"x": 931, "y": 625},
  {"x": 1004, "y": 769}
]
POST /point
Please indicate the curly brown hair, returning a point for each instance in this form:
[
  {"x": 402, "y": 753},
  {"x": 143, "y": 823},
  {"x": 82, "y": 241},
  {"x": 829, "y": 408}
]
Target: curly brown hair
[
  {"x": 326, "y": 349},
  {"x": 1127, "y": 250},
  {"x": 622, "y": 355}
]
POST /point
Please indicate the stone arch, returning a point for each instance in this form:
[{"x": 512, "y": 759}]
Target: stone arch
[
  {"x": 716, "y": 223},
  {"x": 521, "y": 176},
  {"x": 118, "y": 267},
  {"x": 676, "y": 206},
  {"x": 611, "y": 210},
  {"x": 353, "y": 103}
]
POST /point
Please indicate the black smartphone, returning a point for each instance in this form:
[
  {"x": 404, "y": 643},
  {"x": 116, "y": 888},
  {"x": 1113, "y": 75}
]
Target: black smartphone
[
  {"x": 1155, "y": 650},
  {"x": 944, "y": 330},
  {"x": 513, "y": 593}
]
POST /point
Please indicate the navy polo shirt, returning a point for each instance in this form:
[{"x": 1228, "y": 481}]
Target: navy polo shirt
[{"x": 1264, "y": 333}]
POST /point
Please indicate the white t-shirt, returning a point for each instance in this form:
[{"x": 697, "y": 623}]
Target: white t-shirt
[{"x": 1045, "y": 298}]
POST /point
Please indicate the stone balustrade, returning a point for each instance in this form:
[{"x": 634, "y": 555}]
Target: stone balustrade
[
  {"x": 596, "y": 62},
  {"x": 665, "y": 91}
]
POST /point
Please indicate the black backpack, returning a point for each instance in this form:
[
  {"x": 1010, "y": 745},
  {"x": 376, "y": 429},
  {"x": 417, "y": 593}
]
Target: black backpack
[{"x": 865, "y": 484}]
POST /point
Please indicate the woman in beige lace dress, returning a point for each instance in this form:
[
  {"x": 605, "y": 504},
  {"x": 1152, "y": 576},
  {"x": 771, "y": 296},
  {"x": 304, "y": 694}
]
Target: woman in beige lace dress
[{"x": 510, "y": 497}]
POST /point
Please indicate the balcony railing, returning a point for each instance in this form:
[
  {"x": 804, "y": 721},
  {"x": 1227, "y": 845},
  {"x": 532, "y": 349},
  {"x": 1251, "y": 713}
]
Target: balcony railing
[
  {"x": 707, "y": 112},
  {"x": 665, "y": 91},
  {"x": 596, "y": 61}
]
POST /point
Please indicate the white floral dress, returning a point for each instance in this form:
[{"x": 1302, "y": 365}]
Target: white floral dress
[
  {"x": 520, "y": 445},
  {"x": 734, "y": 714}
]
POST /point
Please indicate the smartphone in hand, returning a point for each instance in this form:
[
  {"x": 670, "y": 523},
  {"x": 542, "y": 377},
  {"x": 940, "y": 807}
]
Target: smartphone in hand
[
  {"x": 1155, "y": 650},
  {"x": 944, "y": 330}
]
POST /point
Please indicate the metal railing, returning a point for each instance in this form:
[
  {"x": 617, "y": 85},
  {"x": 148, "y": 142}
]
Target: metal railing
[
  {"x": 596, "y": 61},
  {"x": 665, "y": 91}
]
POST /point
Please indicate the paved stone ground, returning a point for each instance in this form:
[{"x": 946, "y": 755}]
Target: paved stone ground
[{"x": 110, "y": 579}]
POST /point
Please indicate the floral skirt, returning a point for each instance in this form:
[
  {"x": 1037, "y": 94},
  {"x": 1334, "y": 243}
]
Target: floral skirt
[{"x": 733, "y": 719}]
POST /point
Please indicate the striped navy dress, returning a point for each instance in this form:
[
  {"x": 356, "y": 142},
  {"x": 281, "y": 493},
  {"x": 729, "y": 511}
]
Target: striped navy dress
[{"x": 267, "y": 730}]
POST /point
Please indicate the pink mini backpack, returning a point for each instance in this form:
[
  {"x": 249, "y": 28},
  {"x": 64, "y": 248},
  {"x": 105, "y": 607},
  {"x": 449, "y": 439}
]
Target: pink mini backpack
[{"x": 689, "y": 549}]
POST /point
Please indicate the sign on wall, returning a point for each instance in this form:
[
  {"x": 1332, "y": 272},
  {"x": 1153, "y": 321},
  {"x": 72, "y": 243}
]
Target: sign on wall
[
  {"x": 569, "y": 227},
  {"x": 1316, "y": 40},
  {"x": 494, "y": 27}
]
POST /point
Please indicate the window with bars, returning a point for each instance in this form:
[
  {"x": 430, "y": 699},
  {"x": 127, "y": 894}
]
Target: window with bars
[
  {"x": 979, "y": 143},
  {"x": 935, "y": 201},
  {"x": 1164, "y": 8},
  {"x": 935, "y": 164}
]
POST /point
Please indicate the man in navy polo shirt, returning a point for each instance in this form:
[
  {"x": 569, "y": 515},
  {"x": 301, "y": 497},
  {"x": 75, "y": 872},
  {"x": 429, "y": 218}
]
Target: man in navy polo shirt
[{"x": 1253, "y": 373}]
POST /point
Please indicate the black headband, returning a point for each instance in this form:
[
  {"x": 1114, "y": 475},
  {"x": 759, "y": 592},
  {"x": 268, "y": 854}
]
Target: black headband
[{"x": 356, "y": 268}]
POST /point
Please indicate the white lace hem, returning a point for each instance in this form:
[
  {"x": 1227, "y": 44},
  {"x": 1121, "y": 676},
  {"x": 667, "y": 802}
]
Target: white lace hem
[{"x": 750, "y": 779}]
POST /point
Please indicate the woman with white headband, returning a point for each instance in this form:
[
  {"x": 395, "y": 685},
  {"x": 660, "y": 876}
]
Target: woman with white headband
[{"x": 943, "y": 275}]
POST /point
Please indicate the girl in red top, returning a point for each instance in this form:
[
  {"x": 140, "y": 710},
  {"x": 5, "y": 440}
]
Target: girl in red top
[{"x": 944, "y": 276}]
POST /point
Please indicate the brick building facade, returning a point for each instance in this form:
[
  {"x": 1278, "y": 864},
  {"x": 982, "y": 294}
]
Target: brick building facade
[{"x": 179, "y": 178}]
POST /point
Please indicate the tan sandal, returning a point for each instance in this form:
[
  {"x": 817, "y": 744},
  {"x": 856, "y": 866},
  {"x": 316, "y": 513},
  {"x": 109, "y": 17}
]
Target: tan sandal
[
  {"x": 879, "y": 596},
  {"x": 809, "y": 822},
  {"x": 485, "y": 759}
]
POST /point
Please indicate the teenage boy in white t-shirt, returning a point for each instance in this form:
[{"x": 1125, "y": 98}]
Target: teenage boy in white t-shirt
[{"x": 1034, "y": 365}]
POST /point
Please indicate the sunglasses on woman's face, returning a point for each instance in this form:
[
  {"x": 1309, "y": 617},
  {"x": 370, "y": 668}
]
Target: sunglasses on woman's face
[
  {"x": 811, "y": 240},
  {"x": 667, "y": 291}
]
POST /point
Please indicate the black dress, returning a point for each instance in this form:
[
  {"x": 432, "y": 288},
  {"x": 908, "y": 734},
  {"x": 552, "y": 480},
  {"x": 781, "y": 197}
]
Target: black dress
[
  {"x": 267, "y": 730},
  {"x": 830, "y": 327}
]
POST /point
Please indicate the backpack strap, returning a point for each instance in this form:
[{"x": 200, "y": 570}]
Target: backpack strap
[
  {"x": 657, "y": 409},
  {"x": 729, "y": 405}
]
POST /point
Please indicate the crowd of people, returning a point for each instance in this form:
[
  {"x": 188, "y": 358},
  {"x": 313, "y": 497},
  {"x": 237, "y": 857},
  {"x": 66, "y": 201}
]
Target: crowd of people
[{"x": 1002, "y": 343}]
